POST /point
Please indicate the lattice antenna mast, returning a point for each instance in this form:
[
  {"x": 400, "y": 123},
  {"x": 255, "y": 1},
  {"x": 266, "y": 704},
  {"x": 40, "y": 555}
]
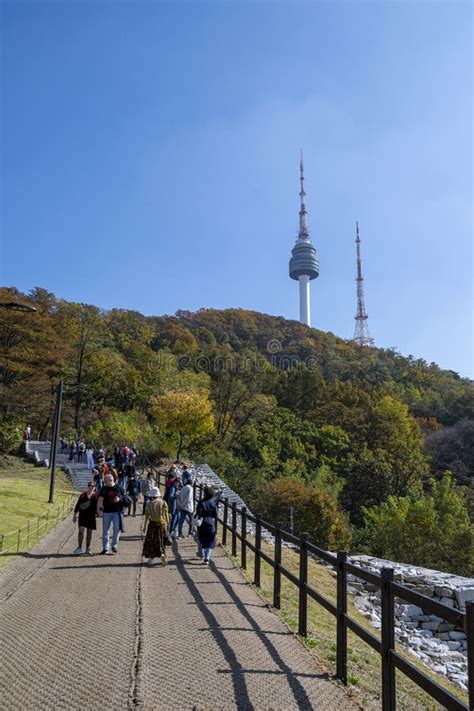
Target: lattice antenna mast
[
  {"x": 303, "y": 231},
  {"x": 361, "y": 333}
]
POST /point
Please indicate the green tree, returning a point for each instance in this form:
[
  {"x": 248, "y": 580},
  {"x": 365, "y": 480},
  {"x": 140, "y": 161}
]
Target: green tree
[
  {"x": 367, "y": 482},
  {"x": 431, "y": 530},
  {"x": 118, "y": 428},
  {"x": 395, "y": 436},
  {"x": 453, "y": 448},
  {"x": 83, "y": 326}
]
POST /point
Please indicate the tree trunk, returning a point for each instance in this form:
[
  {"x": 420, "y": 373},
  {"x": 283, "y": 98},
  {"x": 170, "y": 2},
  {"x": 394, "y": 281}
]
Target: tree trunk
[{"x": 180, "y": 446}]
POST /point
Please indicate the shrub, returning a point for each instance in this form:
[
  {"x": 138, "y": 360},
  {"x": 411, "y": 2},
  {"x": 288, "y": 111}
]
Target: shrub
[
  {"x": 11, "y": 435},
  {"x": 314, "y": 512}
]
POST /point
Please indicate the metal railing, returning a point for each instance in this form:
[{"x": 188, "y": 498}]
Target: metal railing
[
  {"x": 21, "y": 538},
  {"x": 391, "y": 660}
]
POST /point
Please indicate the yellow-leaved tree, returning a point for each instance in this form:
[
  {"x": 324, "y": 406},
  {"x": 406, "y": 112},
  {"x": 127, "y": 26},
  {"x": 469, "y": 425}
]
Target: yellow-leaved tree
[{"x": 183, "y": 415}]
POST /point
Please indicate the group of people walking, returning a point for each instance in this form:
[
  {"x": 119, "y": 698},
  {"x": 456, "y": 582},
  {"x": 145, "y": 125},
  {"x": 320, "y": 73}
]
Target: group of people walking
[
  {"x": 114, "y": 494},
  {"x": 82, "y": 452}
]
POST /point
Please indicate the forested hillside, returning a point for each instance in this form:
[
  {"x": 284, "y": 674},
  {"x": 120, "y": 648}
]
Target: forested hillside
[{"x": 373, "y": 450}]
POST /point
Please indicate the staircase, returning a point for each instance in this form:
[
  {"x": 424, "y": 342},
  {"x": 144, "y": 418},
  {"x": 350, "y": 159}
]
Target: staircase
[{"x": 39, "y": 452}]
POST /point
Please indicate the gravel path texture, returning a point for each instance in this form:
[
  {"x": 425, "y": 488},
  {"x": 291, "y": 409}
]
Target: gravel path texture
[{"x": 105, "y": 632}]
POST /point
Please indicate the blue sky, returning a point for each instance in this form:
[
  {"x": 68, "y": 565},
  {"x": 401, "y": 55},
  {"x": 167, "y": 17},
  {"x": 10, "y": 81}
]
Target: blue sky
[{"x": 151, "y": 154}]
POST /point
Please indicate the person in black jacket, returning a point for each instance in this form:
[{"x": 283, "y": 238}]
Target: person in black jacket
[
  {"x": 86, "y": 507},
  {"x": 109, "y": 507},
  {"x": 133, "y": 490},
  {"x": 207, "y": 512}
]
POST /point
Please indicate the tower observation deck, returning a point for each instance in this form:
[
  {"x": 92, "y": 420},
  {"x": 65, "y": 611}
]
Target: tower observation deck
[{"x": 304, "y": 265}]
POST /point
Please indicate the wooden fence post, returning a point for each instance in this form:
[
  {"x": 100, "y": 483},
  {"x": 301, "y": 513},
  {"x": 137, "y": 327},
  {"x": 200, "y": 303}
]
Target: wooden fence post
[
  {"x": 341, "y": 612},
  {"x": 1, "y": 543},
  {"x": 243, "y": 532},
  {"x": 28, "y": 535},
  {"x": 258, "y": 546},
  {"x": 18, "y": 541},
  {"x": 470, "y": 650},
  {"x": 303, "y": 596},
  {"x": 388, "y": 641},
  {"x": 224, "y": 518},
  {"x": 234, "y": 530},
  {"x": 277, "y": 571}
]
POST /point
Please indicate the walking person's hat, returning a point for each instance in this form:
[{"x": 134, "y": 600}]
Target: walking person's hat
[{"x": 153, "y": 492}]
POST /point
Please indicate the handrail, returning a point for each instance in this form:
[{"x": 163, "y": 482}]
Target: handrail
[
  {"x": 390, "y": 589},
  {"x": 29, "y": 526}
]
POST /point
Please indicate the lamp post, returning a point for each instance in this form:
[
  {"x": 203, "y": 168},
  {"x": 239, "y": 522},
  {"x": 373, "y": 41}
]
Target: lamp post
[{"x": 55, "y": 438}]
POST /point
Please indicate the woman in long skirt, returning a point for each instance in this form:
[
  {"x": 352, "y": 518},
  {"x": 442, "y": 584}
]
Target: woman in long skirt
[{"x": 156, "y": 523}]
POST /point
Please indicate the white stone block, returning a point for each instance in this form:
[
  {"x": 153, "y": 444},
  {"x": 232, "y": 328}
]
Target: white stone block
[
  {"x": 464, "y": 595},
  {"x": 457, "y": 635}
]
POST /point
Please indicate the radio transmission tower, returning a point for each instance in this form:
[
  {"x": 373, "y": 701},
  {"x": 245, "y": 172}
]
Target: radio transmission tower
[{"x": 361, "y": 333}]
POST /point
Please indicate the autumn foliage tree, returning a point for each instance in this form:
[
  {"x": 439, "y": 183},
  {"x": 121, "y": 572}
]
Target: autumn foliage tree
[
  {"x": 314, "y": 512},
  {"x": 184, "y": 416},
  {"x": 32, "y": 357}
]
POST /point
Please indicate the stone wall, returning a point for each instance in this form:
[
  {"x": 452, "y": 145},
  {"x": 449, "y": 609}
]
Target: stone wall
[{"x": 430, "y": 638}]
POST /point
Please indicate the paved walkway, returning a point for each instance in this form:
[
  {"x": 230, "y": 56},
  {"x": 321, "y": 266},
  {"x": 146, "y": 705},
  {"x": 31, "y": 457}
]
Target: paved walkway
[{"x": 103, "y": 632}]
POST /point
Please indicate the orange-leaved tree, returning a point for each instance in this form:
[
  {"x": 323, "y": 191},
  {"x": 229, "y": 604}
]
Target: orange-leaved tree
[{"x": 314, "y": 512}]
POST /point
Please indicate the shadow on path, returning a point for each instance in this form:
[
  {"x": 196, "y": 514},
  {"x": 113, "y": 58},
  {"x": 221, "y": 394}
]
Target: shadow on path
[{"x": 236, "y": 669}]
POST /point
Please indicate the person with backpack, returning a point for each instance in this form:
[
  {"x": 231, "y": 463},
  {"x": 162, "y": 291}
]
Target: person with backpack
[
  {"x": 206, "y": 513},
  {"x": 118, "y": 458},
  {"x": 86, "y": 507},
  {"x": 187, "y": 476},
  {"x": 156, "y": 516},
  {"x": 185, "y": 508},
  {"x": 81, "y": 450},
  {"x": 109, "y": 507},
  {"x": 146, "y": 486},
  {"x": 170, "y": 496},
  {"x": 133, "y": 490}
]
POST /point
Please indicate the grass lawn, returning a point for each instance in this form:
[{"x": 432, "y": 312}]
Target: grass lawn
[
  {"x": 24, "y": 492},
  {"x": 364, "y": 676}
]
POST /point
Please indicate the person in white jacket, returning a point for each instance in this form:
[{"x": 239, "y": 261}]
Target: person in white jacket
[
  {"x": 185, "y": 508},
  {"x": 90, "y": 456}
]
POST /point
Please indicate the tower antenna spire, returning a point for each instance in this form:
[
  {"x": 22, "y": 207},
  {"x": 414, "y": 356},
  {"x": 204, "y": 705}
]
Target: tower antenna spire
[
  {"x": 303, "y": 231},
  {"x": 304, "y": 265},
  {"x": 361, "y": 332}
]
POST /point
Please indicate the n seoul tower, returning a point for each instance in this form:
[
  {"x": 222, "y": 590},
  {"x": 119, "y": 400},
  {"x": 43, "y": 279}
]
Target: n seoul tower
[{"x": 304, "y": 265}]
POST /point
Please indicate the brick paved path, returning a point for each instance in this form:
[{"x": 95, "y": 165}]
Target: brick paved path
[{"x": 103, "y": 632}]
